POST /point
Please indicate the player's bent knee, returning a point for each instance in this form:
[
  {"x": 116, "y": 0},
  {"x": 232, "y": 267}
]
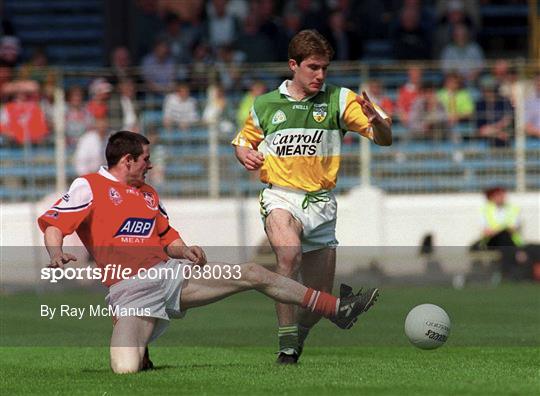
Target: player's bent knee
[
  {"x": 125, "y": 362},
  {"x": 125, "y": 367}
]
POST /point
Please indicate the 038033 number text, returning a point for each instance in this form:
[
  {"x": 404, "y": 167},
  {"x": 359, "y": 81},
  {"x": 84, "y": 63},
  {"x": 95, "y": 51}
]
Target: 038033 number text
[{"x": 212, "y": 272}]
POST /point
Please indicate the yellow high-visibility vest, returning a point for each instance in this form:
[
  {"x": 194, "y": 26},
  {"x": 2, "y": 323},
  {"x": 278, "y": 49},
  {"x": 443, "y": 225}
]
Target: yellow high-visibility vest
[{"x": 510, "y": 220}]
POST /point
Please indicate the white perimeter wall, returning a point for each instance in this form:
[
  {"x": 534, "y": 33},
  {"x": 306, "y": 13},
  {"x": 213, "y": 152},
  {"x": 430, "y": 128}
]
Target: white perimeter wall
[{"x": 365, "y": 218}]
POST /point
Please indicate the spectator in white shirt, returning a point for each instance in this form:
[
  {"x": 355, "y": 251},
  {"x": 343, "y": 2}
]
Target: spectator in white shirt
[
  {"x": 222, "y": 25},
  {"x": 217, "y": 111},
  {"x": 90, "y": 151},
  {"x": 180, "y": 108},
  {"x": 463, "y": 55},
  {"x": 158, "y": 69}
]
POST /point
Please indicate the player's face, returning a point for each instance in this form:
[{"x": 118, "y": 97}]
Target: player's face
[
  {"x": 138, "y": 169},
  {"x": 310, "y": 74}
]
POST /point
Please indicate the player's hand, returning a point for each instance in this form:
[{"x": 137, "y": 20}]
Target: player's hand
[
  {"x": 253, "y": 160},
  {"x": 195, "y": 254},
  {"x": 61, "y": 259},
  {"x": 367, "y": 107}
]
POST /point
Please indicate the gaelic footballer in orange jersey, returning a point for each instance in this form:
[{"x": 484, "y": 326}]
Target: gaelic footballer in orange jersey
[
  {"x": 120, "y": 220},
  {"x": 117, "y": 223}
]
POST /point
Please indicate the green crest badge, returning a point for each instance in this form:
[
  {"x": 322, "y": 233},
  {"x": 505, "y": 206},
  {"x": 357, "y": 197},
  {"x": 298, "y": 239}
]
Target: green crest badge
[
  {"x": 279, "y": 117},
  {"x": 320, "y": 110}
]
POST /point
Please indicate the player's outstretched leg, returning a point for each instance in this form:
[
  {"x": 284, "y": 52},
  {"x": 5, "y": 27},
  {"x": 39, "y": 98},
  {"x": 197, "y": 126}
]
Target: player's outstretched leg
[{"x": 343, "y": 312}]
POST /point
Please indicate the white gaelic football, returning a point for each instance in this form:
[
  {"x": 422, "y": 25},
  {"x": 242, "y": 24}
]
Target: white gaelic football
[{"x": 427, "y": 326}]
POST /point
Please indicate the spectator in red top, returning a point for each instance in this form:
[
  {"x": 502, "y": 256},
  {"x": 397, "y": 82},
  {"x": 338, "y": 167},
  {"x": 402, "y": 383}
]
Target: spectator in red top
[
  {"x": 100, "y": 91},
  {"x": 23, "y": 119},
  {"x": 408, "y": 93}
]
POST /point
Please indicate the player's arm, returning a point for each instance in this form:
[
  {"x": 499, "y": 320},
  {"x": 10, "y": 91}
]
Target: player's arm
[
  {"x": 63, "y": 218},
  {"x": 54, "y": 240},
  {"x": 361, "y": 115},
  {"x": 178, "y": 249},
  {"x": 246, "y": 142},
  {"x": 382, "y": 127}
]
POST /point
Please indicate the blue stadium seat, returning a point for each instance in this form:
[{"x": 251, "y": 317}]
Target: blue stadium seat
[
  {"x": 190, "y": 135},
  {"x": 377, "y": 49},
  {"x": 532, "y": 143},
  {"x": 152, "y": 117},
  {"x": 191, "y": 169},
  {"x": 507, "y": 10},
  {"x": 15, "y": 6},
  {"x": 77, "y": 25}
]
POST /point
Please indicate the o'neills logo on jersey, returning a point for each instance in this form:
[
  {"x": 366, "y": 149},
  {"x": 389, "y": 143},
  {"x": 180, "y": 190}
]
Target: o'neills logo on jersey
[
  {"x": 320, "y": 110},
  {"x": 135, "y": 227},
  {"x": 115, "y": 196},
  {"x": 300, "y": 143}
]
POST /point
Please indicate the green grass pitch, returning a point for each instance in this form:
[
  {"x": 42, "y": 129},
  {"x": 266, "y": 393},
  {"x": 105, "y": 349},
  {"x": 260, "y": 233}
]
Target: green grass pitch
[{"x": 228, "y": 348}]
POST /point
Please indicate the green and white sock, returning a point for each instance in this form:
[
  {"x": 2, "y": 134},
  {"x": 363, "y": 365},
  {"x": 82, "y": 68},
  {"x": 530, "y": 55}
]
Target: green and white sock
[{"x": 288, "y": 339}]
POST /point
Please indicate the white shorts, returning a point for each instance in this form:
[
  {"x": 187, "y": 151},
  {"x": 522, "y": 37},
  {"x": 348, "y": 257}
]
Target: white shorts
[
  {"x": 317, "y": 216},
  {"x": 157, "y": 298}
]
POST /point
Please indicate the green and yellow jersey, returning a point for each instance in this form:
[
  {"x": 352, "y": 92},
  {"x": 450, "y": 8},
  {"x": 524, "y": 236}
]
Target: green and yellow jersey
[{"x": 301, "y": 140}]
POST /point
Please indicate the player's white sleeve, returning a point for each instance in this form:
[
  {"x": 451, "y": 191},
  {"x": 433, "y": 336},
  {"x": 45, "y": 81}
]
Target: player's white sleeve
[{"x": 79, "y": 197}]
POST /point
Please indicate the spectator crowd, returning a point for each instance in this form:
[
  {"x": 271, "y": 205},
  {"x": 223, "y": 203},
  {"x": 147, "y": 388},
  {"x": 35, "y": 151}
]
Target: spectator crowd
[{"x": 188, "y": 51}]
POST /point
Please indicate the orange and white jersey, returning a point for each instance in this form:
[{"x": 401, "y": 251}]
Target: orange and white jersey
[{"x": 117, "y": 223}]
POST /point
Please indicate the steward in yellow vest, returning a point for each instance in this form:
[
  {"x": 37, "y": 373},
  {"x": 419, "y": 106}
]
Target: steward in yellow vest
[{"x": 501, "y": 220}]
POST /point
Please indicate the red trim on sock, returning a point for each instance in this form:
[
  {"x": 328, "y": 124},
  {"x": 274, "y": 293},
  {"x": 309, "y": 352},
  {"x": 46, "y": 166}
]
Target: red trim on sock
[{"x": 324, "y": 304}]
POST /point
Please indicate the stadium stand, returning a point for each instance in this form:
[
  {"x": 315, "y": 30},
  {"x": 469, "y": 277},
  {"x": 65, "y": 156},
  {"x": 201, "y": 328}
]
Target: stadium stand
[{"x": 73, "y": 30}]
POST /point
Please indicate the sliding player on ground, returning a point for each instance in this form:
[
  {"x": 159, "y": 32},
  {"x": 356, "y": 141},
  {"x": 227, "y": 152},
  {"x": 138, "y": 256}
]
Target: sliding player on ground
[{"x": 121, "y": 221}]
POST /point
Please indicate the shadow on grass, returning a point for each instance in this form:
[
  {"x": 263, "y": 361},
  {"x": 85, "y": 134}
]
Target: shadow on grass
[{"x": 167, "y": 367}]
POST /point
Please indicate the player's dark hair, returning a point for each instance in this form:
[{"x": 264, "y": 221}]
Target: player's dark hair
[
  {"x": 308, "y": 43},
  {"x": 124, "y": 142}
]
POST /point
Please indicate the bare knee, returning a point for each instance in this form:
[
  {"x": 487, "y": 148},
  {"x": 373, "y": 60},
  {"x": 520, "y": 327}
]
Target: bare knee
[
  {"x": 125, "y": 362},
  {"x": 125, "y": 367},
  {"x": 288, "y": 261}
]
